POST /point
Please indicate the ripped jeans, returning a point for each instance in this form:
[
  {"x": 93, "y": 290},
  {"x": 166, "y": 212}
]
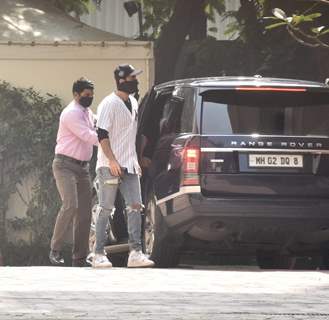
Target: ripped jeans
[{"x": 130, "y": 189}]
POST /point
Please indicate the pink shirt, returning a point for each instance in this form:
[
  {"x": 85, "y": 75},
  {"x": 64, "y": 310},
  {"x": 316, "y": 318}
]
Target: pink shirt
[{"x": 76, "y": 133}]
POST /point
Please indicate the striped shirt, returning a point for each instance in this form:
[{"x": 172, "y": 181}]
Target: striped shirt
[{"x": 121, "y": 124}]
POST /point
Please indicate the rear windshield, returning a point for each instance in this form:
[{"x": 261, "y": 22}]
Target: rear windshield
[{"x": 266, "y": 113}]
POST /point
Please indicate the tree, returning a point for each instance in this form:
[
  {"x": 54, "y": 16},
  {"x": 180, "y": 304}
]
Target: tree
[
  {"x": 169, "y": 23},
  {"x": 188, "y": 19},
  {"x": 29, "y": 124},
  {"x": 308, "y": 27},
  {"x": 184, "y": 19}
]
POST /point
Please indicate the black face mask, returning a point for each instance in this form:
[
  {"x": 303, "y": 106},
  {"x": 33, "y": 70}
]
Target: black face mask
[
  {"x": 128, "y": 86},
  {"x": 86, "y": 101}
]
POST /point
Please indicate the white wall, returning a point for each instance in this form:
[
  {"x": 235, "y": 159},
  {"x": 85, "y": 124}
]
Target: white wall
[{"x": 53, "y": 69}]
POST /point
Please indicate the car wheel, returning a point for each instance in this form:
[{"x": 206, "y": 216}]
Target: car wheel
[
  {"x": 156, "y": 241},
  {"x": 325, "y": 258},
  {"x": 274, "y": 260}
]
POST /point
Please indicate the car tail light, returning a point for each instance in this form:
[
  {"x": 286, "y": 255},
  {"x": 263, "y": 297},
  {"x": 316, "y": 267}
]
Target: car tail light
[
  {"x": 191, "y": 159},
  {"x": 270, "y": 89}
]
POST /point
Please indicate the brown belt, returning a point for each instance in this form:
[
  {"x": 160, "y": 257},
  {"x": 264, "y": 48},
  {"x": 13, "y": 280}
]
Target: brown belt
[{"x": 79, "y": 162}]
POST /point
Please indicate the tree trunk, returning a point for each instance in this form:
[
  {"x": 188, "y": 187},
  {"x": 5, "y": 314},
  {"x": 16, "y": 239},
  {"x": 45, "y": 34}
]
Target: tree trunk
[
  {"x": 199, "y": 25},
  {"x": 187, "y": 13}
]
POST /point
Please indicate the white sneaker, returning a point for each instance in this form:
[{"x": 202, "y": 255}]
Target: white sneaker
[
  {"x": 90, "y": 258},
  {"x": 137, "y": 259},
  {"x": 101, "y": 261}
]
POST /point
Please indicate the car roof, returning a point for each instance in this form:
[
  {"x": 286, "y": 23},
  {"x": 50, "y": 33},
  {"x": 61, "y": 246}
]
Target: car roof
[{"x": 232, "y": 82}]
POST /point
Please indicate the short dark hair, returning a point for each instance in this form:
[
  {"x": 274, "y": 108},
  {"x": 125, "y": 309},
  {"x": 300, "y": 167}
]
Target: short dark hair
[{"x": 82, "y": 84}]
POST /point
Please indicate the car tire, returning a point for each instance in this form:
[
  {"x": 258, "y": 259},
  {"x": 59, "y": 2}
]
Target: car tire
[
  {"x": 274, "y": 260},
  {"x": 325, "y": 258},
  {"x": 157, "y": 243}
]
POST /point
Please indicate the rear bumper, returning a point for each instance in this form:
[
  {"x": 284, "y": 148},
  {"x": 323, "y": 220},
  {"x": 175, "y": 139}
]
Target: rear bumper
[
  {"x": 249, "y": 219},
  {"x": 197, "y": 205},
  {"x": 261, "y": 208}
]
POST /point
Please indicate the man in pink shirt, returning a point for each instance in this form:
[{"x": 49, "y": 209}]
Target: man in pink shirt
[{"x": 75, "y": 140}]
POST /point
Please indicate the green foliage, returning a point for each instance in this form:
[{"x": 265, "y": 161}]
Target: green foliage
[
  {"x": 157, "y": 13},
  {"x": 294, "y": 20},
  {"x": 247, "y": 21},
  {"x": 210, "y": 57},
  {"x": 235, "y": 58},
  {"x": 214, "y": 6},
  {"x": 306, "y": 22},
  {"x": 255, "y": 51},
  {"x": 306, "y": 28},
  {"x": 28, "y": 127}
]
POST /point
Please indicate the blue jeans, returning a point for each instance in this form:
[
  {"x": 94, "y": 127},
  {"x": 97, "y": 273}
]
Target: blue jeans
[{"x": 130, "y": 189}]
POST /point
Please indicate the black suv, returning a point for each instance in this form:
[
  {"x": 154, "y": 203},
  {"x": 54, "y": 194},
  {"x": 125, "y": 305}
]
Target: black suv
[{"x": 238, "y": 166}]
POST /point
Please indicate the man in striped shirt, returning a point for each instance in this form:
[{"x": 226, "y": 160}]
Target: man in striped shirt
[{"x": 117, "y": 165}]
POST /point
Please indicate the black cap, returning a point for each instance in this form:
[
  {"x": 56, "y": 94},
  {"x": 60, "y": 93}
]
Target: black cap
[{"x": 124, "y": 70}]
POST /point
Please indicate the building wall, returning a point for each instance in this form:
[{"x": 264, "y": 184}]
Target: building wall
[
  {"x": 112, "y": 17},
  {"x": 53, "y": 69}
]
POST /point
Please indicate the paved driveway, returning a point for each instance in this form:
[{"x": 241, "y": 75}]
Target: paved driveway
[{"x": 120, "y": 293}]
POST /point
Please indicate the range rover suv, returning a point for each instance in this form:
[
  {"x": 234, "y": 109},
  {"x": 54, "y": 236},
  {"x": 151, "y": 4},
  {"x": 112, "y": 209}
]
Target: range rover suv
[{"x": 236, "y": 166}]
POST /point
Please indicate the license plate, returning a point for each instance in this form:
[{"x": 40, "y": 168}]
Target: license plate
[{"x": 275, "y": 161}]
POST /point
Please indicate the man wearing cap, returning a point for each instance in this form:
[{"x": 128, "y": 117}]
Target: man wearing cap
[
  {"x": 75, "y": 139},
  {"x": 117, "y": 165}
]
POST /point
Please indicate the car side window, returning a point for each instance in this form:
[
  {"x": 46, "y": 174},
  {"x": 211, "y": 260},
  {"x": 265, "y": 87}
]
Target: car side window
[
  {"x": 188, "y": 112},
  {"x": 171, "y": 118},
  {"x": 152, "y": 125},
  {"x": 178, "y": 112}
]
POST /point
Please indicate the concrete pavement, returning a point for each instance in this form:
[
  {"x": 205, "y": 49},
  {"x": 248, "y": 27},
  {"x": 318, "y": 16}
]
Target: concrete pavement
[{"x": 120, "y": 293}]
